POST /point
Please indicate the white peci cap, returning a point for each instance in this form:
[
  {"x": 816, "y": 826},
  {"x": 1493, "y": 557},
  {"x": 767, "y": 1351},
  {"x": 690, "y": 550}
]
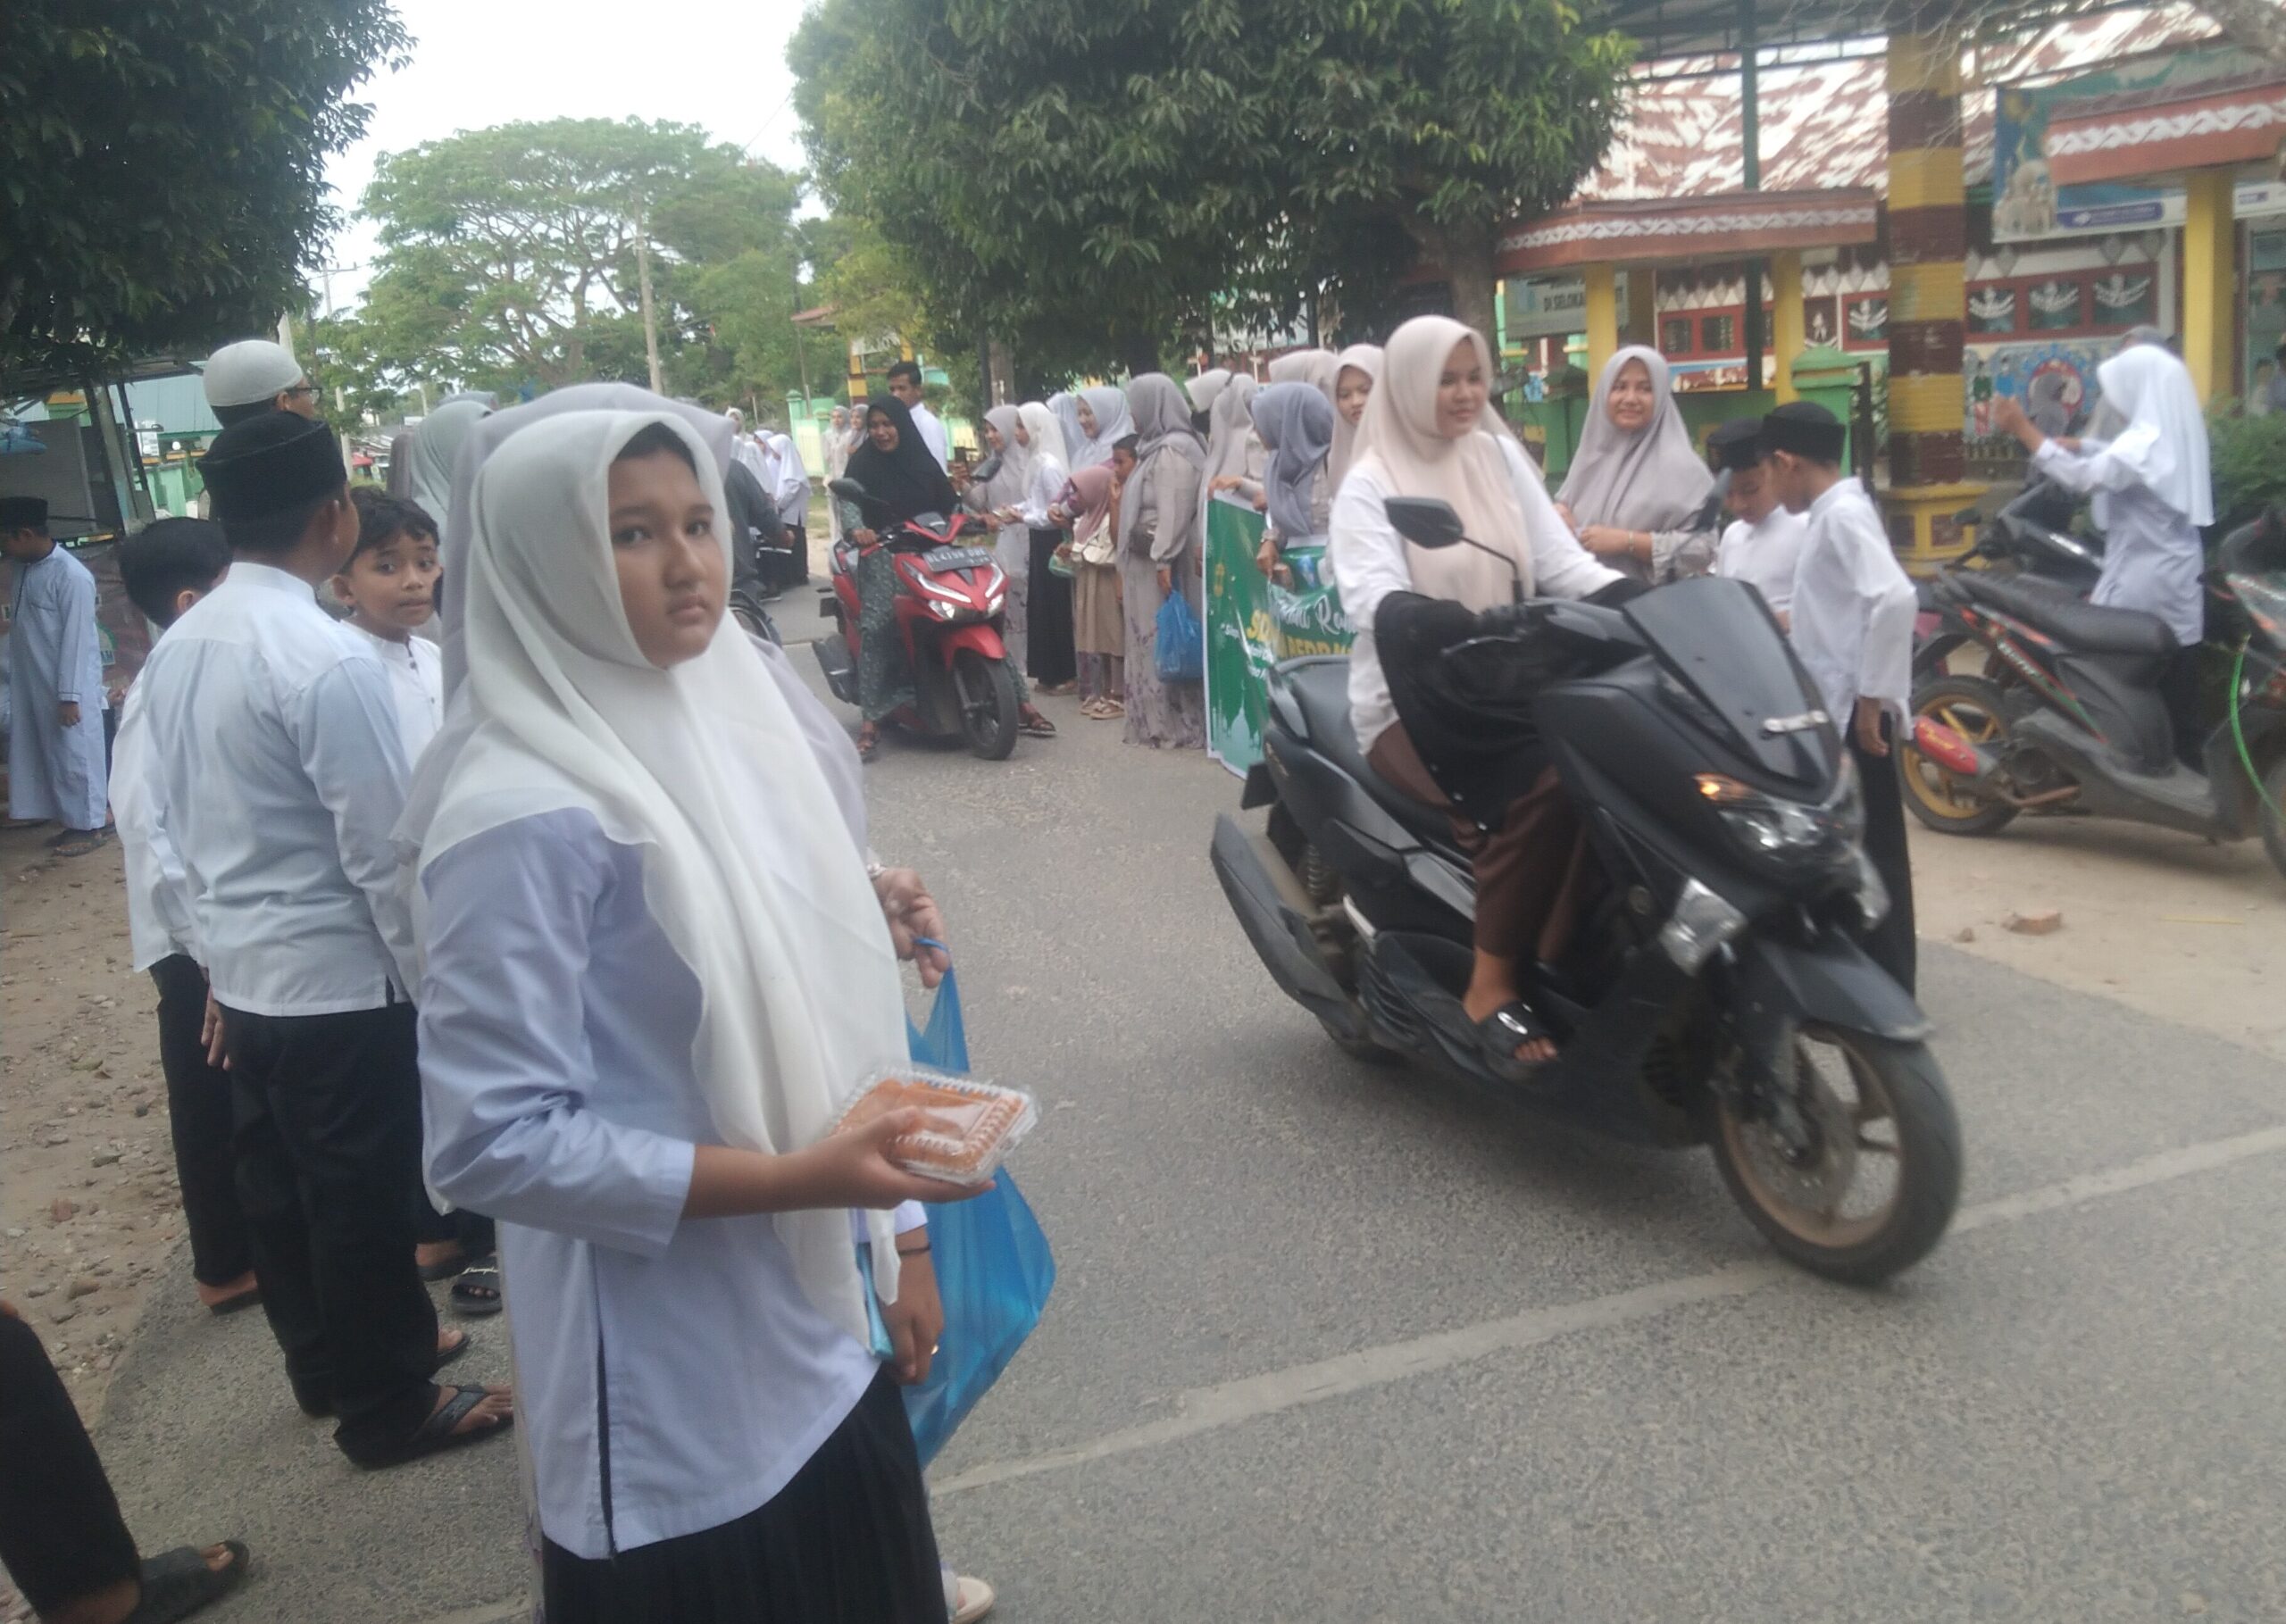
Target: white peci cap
[{"x": 249, "y": 373}]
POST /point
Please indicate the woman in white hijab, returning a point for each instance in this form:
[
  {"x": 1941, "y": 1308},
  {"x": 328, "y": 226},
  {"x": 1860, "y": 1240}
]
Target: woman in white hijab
[
  {"x": 837, "y": 462},
  {"x": 655, "y": 973},
  {"x": 1636, "y": 487},
  {"x": 1426, "y": 434},
  {"x": 996, "y": 502},
  {"x": 1203, "y": 390},
  {"x": 436, "y": 451},
  {"x": 1049, "y": 650},
  {"x": 2152, "y": 491},
  {"x": 1102, "y": 416},
  {"x": 1357, "y": 369}
]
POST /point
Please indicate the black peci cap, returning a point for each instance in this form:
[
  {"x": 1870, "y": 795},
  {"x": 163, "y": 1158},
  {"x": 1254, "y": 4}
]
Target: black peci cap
[
  {"x": 1806, "y": 430},
  {"x": 271, "y": 464},
  {"x": 23, "y": 512},
  {"x": 1736, "y": 445}
]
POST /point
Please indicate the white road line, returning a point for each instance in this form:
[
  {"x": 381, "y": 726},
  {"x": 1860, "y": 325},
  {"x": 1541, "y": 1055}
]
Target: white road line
[{"x": 1210, "y": 1408}]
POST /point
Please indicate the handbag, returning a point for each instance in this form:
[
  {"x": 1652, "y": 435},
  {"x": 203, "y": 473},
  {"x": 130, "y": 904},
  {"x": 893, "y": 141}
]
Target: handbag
[
  {"x": 994, "y": 1267},
  {"x": 1181, "y": 648}
]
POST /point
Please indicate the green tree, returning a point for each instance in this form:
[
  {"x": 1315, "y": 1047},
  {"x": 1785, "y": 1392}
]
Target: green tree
[
  {"x": 511, "y": 256},
  {"x": 1085, "y": 180},
  {"x": 162, "y": 165}
]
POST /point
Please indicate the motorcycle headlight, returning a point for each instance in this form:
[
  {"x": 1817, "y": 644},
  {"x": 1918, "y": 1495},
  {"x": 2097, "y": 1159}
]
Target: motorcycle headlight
[
  {"x": 942, "y": 610},
  {"x": 993, "y": 602},
  {"x": 1789, "y": 832}
]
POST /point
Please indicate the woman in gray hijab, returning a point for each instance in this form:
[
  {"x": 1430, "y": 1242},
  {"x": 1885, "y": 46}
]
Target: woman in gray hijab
[
  {"x": 436, "y": 449},
  {"x": 1636, "y": 487},
  {"x": 1159, "y": 552},
  {"x": 995, "y": 501},
  {"x": 1234, "y": 451},
  {"x": 1297, "y": 429}
]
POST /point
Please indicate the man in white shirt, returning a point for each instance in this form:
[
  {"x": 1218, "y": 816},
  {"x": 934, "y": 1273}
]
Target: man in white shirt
[
  {"x": 253, "y": 377},
  {"x": 275, "y": 738},
  {"x": 1853, "y": 627},
  {"x": 905, "y": 383},
  {"x": 166, "y": 568},
  {"x": 1764, "y": 543}
]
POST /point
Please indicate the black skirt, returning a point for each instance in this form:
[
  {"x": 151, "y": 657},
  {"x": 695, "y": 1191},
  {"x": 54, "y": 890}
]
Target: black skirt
[
  {"x": 1048, "y": 656},
  {"x": 846, "y": 1542}
]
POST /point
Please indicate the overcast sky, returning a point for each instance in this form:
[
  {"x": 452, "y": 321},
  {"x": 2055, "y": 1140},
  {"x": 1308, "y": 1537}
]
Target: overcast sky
[{"x": 477, "y": 62}]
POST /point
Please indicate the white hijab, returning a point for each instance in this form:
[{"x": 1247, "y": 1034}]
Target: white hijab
[
  {"x": 715, "y": 431},
  {"x": 1047, "y": 436},
  {"x": 1204, "y": 388},
  {"x": 1112, "y": 425},
  {"x": 1648, "y": 478},
  {"x": 2164, "y": 442},
  {"x": 436, "y": 451},
  {"x": 1367, "y": 359},
  {"x": 1233, "y": 447},
  {"x": 748, "y": 865},
  {"x": 1400, "y": 443}
]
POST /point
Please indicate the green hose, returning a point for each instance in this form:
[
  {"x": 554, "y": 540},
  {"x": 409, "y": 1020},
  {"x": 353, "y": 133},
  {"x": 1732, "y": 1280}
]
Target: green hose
[{"x": 2239, "y": 734}]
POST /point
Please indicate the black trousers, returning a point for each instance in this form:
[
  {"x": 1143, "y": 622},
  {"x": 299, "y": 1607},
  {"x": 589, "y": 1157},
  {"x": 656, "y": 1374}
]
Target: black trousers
[
  {"x": 329, "y": 1154},
  {"x": 198, "y": 1118},
  {"x": 1048, "y": 644},
  {"x": 61, "y": 1535},
  {"x": 790, "y": 568},
  {"x": 848, "y": 1541},
  {"x": 1891, "y": 942}
]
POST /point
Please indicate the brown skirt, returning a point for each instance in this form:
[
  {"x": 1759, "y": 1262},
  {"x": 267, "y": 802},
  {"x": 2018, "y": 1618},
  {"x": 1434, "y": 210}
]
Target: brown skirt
[
  {"x": 1096, "y": 626},
  {"x": 1532, "y": 872}
]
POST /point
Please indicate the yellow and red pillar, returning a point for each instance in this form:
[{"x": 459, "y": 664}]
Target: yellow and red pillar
[{"x": 1928, "y": 245}]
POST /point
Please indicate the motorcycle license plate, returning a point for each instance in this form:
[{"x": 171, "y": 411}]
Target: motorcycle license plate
[{"x": 956, "y": 558}]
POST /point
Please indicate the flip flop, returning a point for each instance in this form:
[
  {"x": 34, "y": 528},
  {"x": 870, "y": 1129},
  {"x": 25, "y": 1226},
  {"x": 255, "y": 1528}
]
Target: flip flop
[
  {"x": 76, "y": 843},
  {"x": 1037, "y": 727},
  {"x": 238, "y": 1304},
  {"x": 435, "y": 1434},
  {"x": 178, "y": 1583},
  {"x": 477, "y": 1293}
]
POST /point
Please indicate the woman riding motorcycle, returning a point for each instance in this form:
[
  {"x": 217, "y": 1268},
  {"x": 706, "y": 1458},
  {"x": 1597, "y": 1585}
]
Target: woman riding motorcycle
[
  {"x": 896, "y": 470},
  {"x": 1425, "y": 434}
]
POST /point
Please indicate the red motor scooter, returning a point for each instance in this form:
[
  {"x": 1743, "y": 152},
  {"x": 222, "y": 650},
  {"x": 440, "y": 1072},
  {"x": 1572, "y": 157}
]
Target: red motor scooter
[{"x": 950, "y": 611}]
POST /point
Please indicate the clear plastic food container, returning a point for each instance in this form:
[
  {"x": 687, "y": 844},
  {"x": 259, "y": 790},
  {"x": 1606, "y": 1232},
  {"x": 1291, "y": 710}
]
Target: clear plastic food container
[{"x": 978, "y": 1123}]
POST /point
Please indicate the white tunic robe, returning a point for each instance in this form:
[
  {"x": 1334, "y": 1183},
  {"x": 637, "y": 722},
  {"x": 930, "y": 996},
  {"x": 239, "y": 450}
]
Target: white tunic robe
[{"x": 54, "y": 659}]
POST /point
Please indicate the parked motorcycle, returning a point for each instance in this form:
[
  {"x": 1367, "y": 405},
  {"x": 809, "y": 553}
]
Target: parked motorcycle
[
  {"x": 1714, "y": 993},
  {"x": 2066, "y": 716},
  {"x": 2028, "y": 540},
  {"x": 950, "y": 614}
]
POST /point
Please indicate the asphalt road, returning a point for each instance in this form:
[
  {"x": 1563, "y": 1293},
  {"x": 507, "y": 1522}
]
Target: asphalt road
[{"x": 1335, "y": 1342}]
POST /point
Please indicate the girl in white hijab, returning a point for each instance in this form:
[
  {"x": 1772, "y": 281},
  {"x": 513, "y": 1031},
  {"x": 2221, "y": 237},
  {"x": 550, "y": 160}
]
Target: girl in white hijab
[
  {"x": 1050, "y": 657},
  {"x": 1636, "y": 487},
  {"x": 1357, "y": 369},
  {"x": 1426, "y": 434},
  {"x": 655, "y": 972},
  {"x": 1102, "y": 416},
  {"x": 1203, "y": 390}
]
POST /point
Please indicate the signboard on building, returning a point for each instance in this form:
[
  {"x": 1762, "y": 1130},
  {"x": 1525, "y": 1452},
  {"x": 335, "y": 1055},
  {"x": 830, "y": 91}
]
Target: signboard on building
[{"x": 1549, "y": 307}]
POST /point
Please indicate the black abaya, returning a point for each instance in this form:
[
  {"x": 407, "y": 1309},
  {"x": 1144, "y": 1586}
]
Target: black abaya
[{"x": 1048, "y": 653}]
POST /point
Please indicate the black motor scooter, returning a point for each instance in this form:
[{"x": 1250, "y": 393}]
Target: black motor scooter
[
  {"x": 1715, "y": 992},
  {"x": 2066, "y": 716}
]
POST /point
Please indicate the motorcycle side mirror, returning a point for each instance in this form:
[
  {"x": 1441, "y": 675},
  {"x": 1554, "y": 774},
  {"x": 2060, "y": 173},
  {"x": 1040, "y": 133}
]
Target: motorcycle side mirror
[
  {"x": 849, "y": 490},
  {"x": 1425, "y": 521}
]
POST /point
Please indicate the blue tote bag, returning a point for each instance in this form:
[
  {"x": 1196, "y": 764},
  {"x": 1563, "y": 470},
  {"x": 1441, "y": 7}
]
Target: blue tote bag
[
  {"x": 1181, "y": 650},
  {"x": 994, "y": 1270}
]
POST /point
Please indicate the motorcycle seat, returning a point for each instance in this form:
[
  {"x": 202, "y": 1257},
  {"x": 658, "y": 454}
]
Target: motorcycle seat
[
  {"x": 2085, "y": 629},
  {"x": 1320, "y": 685}
]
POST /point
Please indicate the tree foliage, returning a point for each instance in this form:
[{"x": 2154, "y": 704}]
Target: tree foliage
[
  {"x": 510, "y": 258},
  {"x": 1083, "y": 179},
  {"x": 162, "y": 165}
]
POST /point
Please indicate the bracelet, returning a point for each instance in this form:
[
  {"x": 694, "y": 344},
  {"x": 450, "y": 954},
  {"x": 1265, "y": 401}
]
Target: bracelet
[{"x": 912, "y": 1251}]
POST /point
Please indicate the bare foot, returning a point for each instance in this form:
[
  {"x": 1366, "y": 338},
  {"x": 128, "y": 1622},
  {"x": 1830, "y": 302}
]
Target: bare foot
[
  {"x": 450, "y": 1340},
  {"x": 430, "y": 1254},
  {"x": 215, "y": 1296},
  {"x": 1483, "y": 1006}
]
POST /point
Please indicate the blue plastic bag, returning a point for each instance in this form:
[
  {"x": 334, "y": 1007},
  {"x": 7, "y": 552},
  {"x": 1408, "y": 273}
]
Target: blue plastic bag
[
  {"x": 994, "y": 1270},
  {"x": 1181, "y": 653}
]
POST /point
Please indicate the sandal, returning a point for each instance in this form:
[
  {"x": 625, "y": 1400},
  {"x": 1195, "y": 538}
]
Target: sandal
[
  {"x": 436, "y": 1434},
  {"x": 477, "y": 1293},
  {"x": 322, "y": 1409},
  {"x": 1111, "y": 710},
  {"x": 176, "y": 1583},
  {"x": 77, "y": 842},
  {"x": 1036, "y": 726},
  {"x": 1506, "y": 1029}
]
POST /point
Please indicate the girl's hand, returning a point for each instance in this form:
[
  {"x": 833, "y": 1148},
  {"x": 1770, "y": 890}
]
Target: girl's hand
[
  {"x": 1608, "y": 541},
  {"x": 916, "y": 1320},
  {"x": 1166, "y": 580},
  {"x": 1265, "y": 558},
  {"x": 863, "y": 539},
  {"x": 1262, "y": 503},
  {"x": 856, "y": 1168},
  {"x": 1225, "y": 482}
]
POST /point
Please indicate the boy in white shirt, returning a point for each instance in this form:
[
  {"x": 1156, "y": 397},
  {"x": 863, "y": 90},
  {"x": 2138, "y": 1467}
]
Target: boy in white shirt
[
  {"x": 274, "y": 736},
  {"x": 1764, "y": 543},
  {"x": 389, "y": 587},
  {"x": 166, "y": 568},
  {"x": 1853, "y": 627}
]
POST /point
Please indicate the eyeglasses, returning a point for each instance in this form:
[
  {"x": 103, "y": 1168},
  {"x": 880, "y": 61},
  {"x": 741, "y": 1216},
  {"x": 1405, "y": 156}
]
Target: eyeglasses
[{"x": 301, "y": 388}]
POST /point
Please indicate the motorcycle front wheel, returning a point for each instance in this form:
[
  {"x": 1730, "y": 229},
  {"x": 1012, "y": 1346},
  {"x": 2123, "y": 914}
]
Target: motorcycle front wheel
[
  {"x": 1856, "y": 1174},
  {"x": 987, "y": 691}
]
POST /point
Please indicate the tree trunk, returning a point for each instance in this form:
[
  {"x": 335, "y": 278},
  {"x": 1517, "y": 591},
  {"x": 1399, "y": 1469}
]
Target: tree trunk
[
  {"x": 1138, "y": 351},
  {"x": 1467, "y": 259}
]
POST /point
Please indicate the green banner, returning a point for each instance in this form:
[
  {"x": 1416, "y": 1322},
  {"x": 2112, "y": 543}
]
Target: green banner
[{"x": 1252, "y": 624}]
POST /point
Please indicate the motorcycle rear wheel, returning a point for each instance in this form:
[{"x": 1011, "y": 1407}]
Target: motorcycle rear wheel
[
  {"x": 2273, "y": 827},
  {"x": 1900, "y": 1114},
  {"x": 1973, "y": 708},
  {"x": 986, "y": 692}
]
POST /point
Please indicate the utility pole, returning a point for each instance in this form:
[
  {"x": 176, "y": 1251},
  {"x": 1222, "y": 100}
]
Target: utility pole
[{"x": 650, "y": 321}]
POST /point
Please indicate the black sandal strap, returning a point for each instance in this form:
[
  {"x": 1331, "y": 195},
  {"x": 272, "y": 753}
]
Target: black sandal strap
[{"x": 178, "y": 1583}]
